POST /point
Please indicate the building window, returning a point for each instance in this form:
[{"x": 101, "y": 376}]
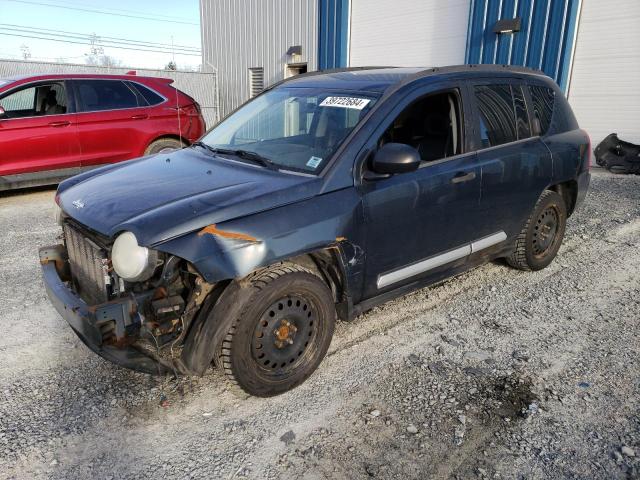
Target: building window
[{"x": 256, "y": 81}]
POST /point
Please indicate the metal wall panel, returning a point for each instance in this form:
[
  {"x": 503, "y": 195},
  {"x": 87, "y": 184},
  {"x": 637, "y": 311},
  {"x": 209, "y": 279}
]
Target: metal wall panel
[
  {"x": 545, "y": 41},
  {"x": 239, "y": 35},
  {"x": 201, "y": 86},
  {"x": 604, "y": 91},
  {"x": 415, "y": 33},
  {"x": 334, "y": 33}
]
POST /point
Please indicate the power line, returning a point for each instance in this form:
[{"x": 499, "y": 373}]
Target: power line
[
  {"x": 152, "y": 44},
  {"x": 89, "y": 43},
  {"x": 115, "y": 10},
  {"x": 99, "y": 40},
  {"x": 101, "y": 12}
]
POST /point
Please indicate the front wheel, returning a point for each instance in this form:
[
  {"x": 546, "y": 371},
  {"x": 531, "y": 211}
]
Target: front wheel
[
  {"x": 282, "y": 333},
  {"x": 541, "y": 237}
]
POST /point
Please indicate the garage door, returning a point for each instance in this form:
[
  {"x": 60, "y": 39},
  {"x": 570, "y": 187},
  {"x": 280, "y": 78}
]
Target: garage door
[
  {"x": 604, "y": 90},
  {"x": 408, "y": 32}
]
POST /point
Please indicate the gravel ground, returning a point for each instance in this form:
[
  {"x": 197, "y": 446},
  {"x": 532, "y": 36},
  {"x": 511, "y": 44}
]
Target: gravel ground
[{"x": 495, "y": 374}]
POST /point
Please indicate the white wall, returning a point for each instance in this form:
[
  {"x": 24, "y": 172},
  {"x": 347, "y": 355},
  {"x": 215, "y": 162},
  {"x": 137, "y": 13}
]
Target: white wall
[
  {"x": 413, "y": 33},
  {"x": 605, "y": 85},
  {"x": 242, "y": 34}
]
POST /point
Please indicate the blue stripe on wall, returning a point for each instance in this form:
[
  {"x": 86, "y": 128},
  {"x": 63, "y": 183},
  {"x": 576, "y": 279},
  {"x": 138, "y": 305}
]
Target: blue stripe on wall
[
  {"x": 333, "y": 33},
  {"x": 545, "y": 41}
]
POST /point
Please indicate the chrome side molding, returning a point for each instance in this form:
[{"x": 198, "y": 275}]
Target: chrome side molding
[{"x": 430, "y": 263}]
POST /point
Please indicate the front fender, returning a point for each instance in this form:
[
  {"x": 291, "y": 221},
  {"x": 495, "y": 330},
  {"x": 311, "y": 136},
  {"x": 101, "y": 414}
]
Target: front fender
[{"x": 233, "y": 249}]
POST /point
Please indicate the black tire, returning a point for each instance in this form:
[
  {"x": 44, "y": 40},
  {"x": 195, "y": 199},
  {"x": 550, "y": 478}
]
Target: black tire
[
  {"x": 163, "y": 145},
  {"x": 282, "y": 332},
  {"x": 541, "y": 237}
]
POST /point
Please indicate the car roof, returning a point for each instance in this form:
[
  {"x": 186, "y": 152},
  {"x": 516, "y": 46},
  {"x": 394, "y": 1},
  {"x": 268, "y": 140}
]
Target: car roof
[
  {"x": 69, "y": 76},
  {"x": 379, "y": 79}
]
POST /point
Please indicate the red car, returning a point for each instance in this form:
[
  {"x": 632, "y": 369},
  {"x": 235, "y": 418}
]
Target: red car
[{"x": 54, "y": 126}]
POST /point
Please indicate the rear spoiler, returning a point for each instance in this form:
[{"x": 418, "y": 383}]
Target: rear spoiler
[{"x": 167, "y": 81}]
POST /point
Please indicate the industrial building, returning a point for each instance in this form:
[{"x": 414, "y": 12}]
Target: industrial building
[{"x": 590, "y": 48}]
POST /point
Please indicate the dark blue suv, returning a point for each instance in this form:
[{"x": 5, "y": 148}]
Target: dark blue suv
[{"x": 324, "y": 196}]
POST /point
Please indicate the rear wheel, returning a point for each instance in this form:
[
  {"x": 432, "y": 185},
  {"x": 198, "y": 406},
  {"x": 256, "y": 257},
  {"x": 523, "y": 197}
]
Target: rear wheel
[
  {"x": 282, "y": 333},
  {"x": 541, "y": 237},
  {"x": 164, "y": 145}
]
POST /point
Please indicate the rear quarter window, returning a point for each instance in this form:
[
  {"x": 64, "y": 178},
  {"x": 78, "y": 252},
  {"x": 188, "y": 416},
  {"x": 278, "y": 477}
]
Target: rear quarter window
[{"x": 151, "y": 97}]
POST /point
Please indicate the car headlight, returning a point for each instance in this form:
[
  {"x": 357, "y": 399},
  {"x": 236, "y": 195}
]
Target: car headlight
[{"x": 131, "y": 261}]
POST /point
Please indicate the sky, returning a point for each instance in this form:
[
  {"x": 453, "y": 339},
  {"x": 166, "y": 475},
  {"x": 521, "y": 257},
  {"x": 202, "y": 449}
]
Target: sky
[{"x": 125, "y": 22}]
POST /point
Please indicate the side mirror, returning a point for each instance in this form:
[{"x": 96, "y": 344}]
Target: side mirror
[
  {"x": 395, "y": 158},
  {"x": 2, "y": 111}
]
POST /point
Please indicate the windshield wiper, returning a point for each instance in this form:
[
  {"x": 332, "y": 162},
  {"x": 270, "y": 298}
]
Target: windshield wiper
[
  {"x": 254, "y": 157},
  {"x": 244, "y": 154},
  {"x": 204, "y": 145}
]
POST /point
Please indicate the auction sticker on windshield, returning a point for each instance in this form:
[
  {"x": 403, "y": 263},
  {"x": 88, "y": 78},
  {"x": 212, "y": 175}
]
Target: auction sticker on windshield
[{"x": 345, "y": 102}]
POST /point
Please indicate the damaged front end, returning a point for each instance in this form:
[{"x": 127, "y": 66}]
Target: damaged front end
[{"x": 140, "y": 321}]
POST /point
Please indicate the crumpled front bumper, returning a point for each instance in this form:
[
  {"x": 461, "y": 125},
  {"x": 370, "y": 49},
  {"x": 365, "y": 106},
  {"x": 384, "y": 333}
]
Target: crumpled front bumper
[{"x": 85, "y": 320}]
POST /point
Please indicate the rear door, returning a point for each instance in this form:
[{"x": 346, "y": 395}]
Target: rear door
[
  {"x": 515, "y": 165},
  {"x": 112, "y": 121},
  {"x": 38, "y": 132}
]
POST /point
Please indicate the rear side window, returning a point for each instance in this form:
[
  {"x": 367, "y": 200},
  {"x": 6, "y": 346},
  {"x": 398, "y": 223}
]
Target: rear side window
[
  {"x": 543, "y": 99},
  {"x": 503, "y": 114},
  {"x": 99, "y": 95},
  {"x": 497, "y": 117},
  {"x": 151, "y": 97},
  {"x": 520, "y": 108}
]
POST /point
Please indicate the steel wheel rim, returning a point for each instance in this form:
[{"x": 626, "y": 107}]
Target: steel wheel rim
[
  {"x": 285, "y": 334},
  {"x": 545, "y": 231}
]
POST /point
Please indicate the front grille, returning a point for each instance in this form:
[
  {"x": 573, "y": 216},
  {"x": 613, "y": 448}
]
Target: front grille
[{"x": 88, "y": 263}]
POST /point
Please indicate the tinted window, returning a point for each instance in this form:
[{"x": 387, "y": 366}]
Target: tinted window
[
  {"x": 542, "y": 98},
  {"x": 97, "y": 95},
  {"x": 150, "y": 97},
  {"x": 497, "y": 118},
  {"x": 520, "y": 107}
]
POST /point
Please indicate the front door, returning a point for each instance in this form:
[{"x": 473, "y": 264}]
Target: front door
[
  {"x": 419, "y": 223},
  {"x": 37, "y": 133}
]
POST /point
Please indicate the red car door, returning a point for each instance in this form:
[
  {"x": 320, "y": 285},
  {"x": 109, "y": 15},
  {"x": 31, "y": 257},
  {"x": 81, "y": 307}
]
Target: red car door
[
  {"x": 111, "y": 125},
  {"x": 37, "y": 133}
]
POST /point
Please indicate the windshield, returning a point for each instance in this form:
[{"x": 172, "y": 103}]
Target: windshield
[{"x": 291, "y": 128}]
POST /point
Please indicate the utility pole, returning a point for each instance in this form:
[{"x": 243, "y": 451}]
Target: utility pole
[
  {"x": 96, "y": 48},
  {"x": 26, "y": 52}
]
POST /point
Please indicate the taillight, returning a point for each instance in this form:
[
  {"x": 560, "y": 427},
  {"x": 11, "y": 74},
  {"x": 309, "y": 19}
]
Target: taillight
[{"x": 191, "y": 110}]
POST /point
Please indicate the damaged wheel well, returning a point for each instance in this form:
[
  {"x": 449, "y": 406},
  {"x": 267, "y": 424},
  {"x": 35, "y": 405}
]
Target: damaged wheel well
[{"x": 327, "y": 263}]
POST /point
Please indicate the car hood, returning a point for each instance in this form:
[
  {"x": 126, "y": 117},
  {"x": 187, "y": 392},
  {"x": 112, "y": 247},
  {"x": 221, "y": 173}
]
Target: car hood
[{"x": 167, "y": 195}]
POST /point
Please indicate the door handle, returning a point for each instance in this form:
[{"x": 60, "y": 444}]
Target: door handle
[
  {"x": 142, "y": 116},
  {"x": 463, "y": 177},
  {"x": 60, "y": 124}
]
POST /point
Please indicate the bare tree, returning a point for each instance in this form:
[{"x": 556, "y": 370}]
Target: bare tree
[{"x": 102, "y": 61}]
